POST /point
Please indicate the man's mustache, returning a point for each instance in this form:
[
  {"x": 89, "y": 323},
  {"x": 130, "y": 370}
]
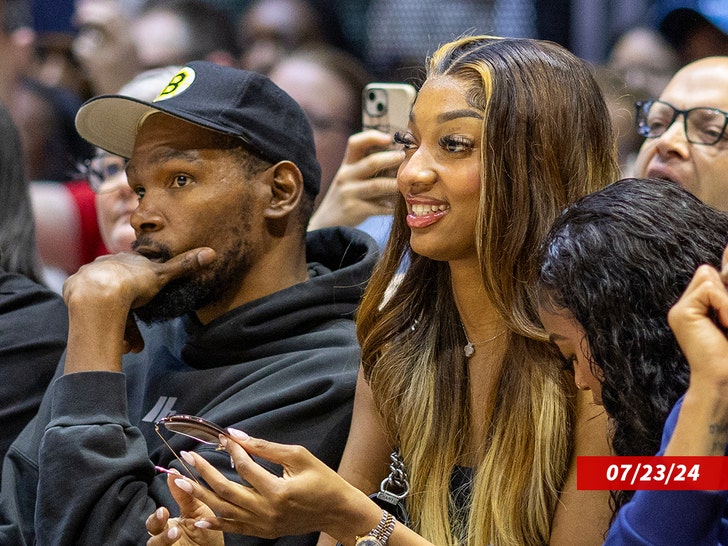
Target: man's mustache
[{"x": 151, "y": 249}]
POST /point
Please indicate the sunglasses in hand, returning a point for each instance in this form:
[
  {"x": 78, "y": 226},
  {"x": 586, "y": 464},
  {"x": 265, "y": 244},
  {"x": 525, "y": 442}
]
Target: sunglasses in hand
[{"x": 197, "y": 428}]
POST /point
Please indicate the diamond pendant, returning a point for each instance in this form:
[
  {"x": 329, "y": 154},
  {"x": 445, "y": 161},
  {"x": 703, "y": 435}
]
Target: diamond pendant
[{"x": 468, "y": 350}]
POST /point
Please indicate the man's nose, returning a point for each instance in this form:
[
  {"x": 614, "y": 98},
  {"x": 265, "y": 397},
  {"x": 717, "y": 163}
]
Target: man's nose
[
  {"x": 146, "y": 217},
  {"x": 673, "y": 141}
]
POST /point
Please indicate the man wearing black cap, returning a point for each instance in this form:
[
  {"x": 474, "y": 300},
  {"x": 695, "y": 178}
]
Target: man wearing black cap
[{"x": 244, "y": 321}]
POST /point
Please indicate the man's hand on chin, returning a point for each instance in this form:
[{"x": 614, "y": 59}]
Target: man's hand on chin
[{"x": 101, "y": 295}]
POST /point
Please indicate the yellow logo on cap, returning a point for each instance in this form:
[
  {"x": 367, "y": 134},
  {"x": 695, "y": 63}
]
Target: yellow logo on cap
[{"x": 181, "y": 81}]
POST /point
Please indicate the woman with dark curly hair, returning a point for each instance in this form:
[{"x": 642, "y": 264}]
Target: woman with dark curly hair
[{"x": 612, "y": 267}]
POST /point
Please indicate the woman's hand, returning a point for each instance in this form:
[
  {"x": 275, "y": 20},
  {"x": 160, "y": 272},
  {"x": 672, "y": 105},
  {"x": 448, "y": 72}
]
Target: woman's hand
[
  {"x": 308, "y": 497},
  {"x": 182, "y": 530}
]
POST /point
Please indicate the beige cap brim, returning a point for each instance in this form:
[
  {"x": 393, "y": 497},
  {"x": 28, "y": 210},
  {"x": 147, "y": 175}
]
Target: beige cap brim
[{"x": 111, "y": 122}]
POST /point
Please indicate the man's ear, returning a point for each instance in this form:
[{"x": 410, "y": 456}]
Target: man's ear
[{"x": 286, "y": 190}]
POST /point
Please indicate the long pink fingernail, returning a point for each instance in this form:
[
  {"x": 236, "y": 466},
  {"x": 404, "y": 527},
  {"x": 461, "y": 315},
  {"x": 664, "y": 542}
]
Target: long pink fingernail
[
  {"x": 203, "y": 524},
  {"x": 184, "y": 485},
  {"x": 173, "y": 532},
  {"x": 159, "y": 513},
  {"x": 187, "y": 456},
  {"x": 238, "y": 434}
]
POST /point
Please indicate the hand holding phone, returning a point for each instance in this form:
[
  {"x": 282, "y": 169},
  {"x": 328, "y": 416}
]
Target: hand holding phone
[{"x": 364, "y": 185}]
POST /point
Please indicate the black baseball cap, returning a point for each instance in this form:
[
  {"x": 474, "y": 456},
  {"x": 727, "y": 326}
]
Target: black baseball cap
[{"x": 236, "y": 102}]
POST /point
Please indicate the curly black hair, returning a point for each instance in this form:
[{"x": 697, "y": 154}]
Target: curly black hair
[{"x": 618, "y": 259}]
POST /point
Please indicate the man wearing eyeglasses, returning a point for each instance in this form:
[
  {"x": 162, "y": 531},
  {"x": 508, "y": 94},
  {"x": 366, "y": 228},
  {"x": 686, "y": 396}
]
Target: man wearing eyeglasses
[
  {"x": 227, "y": 310},
  {"x": 685, "y": 131}
]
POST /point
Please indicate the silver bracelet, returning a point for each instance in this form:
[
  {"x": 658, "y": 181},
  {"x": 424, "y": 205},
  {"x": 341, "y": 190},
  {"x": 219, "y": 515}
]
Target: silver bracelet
[{"x": 380, "y": 534}]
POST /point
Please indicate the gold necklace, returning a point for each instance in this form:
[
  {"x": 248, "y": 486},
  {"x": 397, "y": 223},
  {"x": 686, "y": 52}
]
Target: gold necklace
[{"x": 469, "y": 348}]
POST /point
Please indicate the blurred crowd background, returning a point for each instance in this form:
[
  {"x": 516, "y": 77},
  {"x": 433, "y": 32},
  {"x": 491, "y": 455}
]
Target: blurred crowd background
[{"x": 54, "y": 54}]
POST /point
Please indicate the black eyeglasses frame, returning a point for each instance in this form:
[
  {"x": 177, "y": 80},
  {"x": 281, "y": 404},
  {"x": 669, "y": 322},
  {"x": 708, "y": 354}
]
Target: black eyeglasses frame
[{"x": 643, "y": 107}]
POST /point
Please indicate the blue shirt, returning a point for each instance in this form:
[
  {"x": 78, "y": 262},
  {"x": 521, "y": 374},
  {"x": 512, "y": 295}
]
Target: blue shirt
[{"x": 695, "y": 518}]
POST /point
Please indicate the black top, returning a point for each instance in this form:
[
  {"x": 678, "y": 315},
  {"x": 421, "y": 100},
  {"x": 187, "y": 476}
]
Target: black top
[
  {"x": 33, "y": 332},
  {"x": 461, "y": 488}
]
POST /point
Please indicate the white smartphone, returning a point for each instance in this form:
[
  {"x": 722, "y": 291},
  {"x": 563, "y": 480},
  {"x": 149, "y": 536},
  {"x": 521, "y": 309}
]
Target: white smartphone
[{"x": 386, "y": 106}]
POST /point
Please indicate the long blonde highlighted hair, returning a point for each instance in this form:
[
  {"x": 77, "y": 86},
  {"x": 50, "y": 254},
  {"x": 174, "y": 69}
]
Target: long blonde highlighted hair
[{"x": 547, "y": 139}]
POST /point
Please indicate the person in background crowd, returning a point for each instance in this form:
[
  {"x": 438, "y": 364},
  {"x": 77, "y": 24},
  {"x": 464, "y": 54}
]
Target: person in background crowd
[
  {"x": 269, "y": 30},
  {"x": 638, "y": 67},
  {"x": 695, "y": 28},
  {"x": 174, "y": 32},
  {"x": 328, "y": 84},
  {"x": 103, "y": 44},
  {"x": 620, "y": 101},
  {"x": 44, "y": 116},
  {"x": 644, "y": 60},
  {"x": 18, "y": 251},
  {"x": 115, "y": 200},
  {"x": 685, "y": 132},
  {"x": 34, "y": 319},
  {"x": 355, "y": 188}
]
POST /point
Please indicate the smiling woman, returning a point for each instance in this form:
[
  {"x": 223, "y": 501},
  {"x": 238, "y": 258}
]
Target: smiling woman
[
  {"x": 440, "y": 175},
  {"x": 492, "y": 139}
]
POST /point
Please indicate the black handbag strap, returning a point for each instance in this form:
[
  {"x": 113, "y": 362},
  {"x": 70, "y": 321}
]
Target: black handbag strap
[{"x": 393, "y": 490}]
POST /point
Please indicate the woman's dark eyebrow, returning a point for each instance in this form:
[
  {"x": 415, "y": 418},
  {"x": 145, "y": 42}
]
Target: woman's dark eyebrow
[
  {"x": 553, "y": 338},
  {"x": 455, "y": 114}
]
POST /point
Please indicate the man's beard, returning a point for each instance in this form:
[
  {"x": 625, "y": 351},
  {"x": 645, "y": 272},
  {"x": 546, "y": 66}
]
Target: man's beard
[
  {"x": 190, "y": 293},
  {"x": 180, "y": 296}
]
